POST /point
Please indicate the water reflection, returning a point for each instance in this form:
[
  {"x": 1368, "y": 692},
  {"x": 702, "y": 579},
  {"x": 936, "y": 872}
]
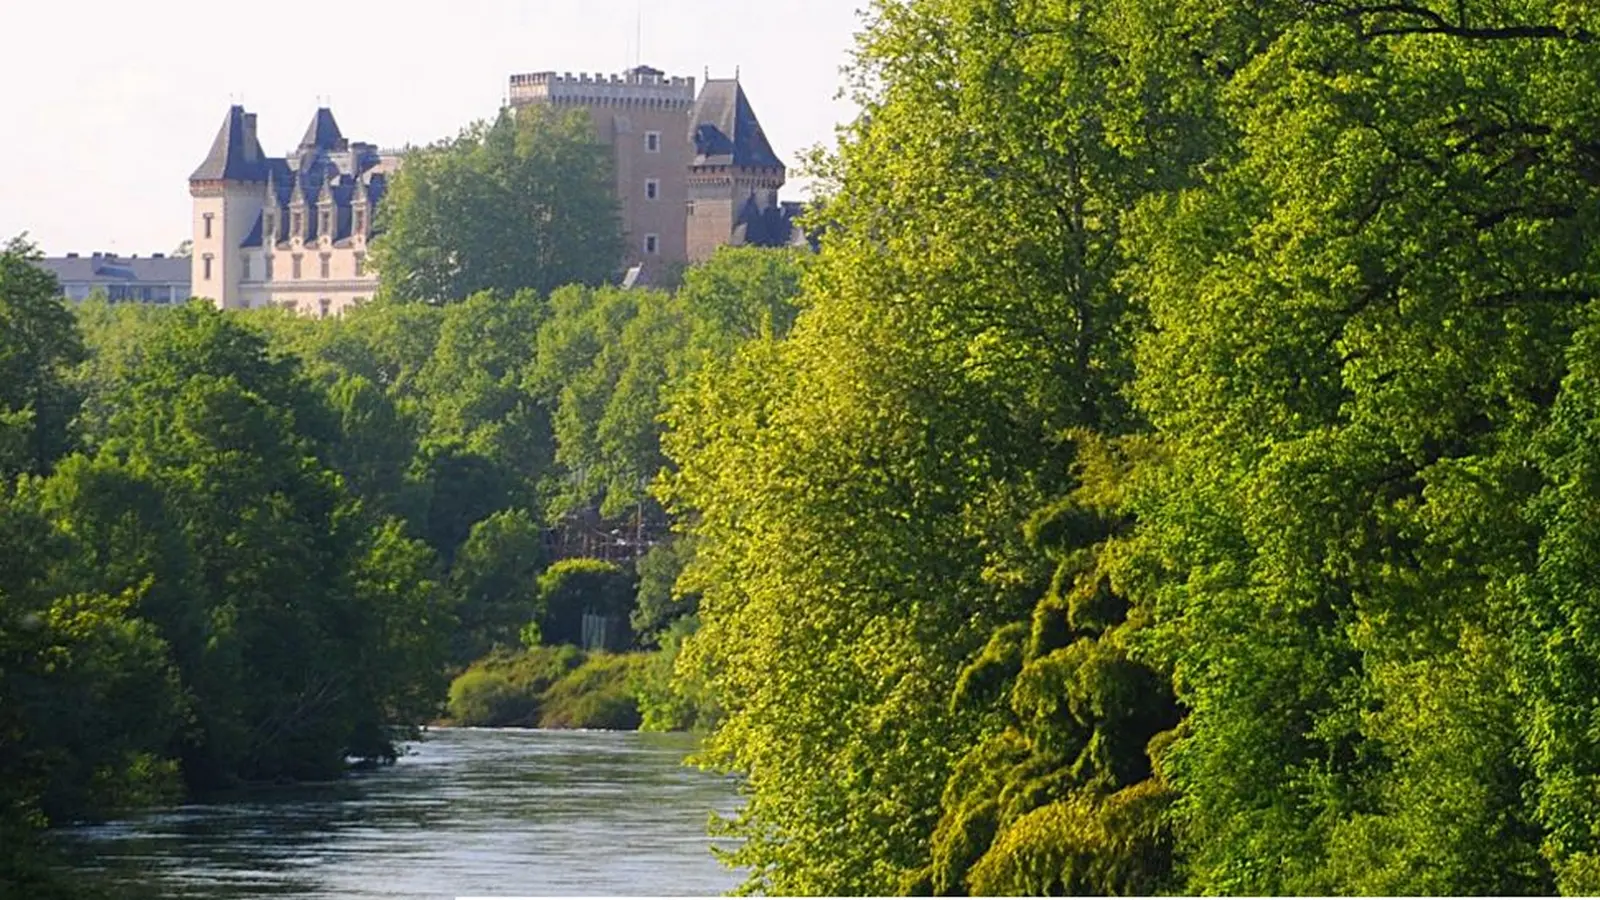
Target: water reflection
[{"x": 469, "y": 812}]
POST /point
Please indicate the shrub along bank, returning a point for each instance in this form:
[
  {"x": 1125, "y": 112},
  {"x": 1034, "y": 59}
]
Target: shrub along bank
[{"x": 550, "y": 687}]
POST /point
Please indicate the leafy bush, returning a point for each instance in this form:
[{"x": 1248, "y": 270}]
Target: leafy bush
[
  {"x": 597, "y": 694},
  {"x": 504, "y": 689},
  {"x": 572, "y": 588}
]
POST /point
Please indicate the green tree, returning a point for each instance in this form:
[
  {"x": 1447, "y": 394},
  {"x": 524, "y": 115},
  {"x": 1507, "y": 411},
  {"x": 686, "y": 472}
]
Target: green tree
[
  {"x": 495, "y": 580},
  {"x": 859, "y": 491},
  {"x": 1362, "y": 317},
  {"x": 573, "y": 588},
  {"x": 38, "y": 343},
  {"x": 525, "y": 202}
]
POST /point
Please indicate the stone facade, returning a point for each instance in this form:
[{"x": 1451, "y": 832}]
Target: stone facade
[
  {"x": 694, "y": 170},
  {"x": 289, "y": 231}
]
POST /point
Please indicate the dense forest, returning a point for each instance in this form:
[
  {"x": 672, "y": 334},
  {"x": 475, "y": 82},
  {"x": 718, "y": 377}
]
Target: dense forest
[
  {"x": 1183, "y": 475},
  {"x": 1178, "y": 471}
]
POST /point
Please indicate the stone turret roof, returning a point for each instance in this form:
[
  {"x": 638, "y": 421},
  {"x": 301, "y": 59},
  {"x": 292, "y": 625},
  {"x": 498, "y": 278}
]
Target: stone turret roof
[
  {"x": 235, "y": 154},
  {"x": 725, "y": 130},
  {"x": 323, "y": 133}
]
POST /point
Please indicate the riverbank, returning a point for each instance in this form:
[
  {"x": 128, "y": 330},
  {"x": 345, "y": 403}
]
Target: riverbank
[{"x": 552, "y": 687}]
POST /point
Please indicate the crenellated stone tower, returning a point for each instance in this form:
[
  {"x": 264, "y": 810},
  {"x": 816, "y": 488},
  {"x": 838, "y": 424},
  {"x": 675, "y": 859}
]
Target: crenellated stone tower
[
  {"x": 641, "y": 115},
  {"x": 694, "y": 172}
]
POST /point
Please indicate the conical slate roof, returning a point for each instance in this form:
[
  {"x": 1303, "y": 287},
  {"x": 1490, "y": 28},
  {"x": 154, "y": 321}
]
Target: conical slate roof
[
  {"x": 323, "y": 132},
  {"x": 235, "y": 153},
  {"x": 725, "y": 130}
]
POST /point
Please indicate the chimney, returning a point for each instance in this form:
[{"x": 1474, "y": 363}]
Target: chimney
[
  {"x": 72, "y": 256},
  {"x": 250, "y": 143}
]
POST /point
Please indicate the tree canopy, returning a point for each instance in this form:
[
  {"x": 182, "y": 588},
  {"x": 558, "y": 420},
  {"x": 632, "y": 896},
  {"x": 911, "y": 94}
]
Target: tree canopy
[{"x": 525, "y": 202}]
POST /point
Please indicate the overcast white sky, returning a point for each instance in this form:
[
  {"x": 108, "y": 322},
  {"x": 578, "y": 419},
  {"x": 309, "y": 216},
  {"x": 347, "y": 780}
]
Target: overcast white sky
[{"x": 106, "y": 106}]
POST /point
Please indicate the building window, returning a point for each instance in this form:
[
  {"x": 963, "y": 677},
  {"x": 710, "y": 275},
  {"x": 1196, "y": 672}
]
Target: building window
[
  {"x": 361, "y": 222},
  {"x": 652, "y": 244},
  {"x": 244, "y": 267},
  {"x": 206, "y": 262},
  {"x": 361, "y": 264},
  {"x": 295, "y": 265},
  {"x": 652, "y": 142},
  {"x": 325, "y": 267},
  {"x": 269, "y": 266},
  {"x": 269, "y": 230},
  {"x": 295, "y": 223},
  {"x": 208, "y": 218},
  {"x": 652, "y": 188},
  {"x": 322, "y": 307},
  {"x": 326, "y": 227},
  {"x": 691, "y": 207}
]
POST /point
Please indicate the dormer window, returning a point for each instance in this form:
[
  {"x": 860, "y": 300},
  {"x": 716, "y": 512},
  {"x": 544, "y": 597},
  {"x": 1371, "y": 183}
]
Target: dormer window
[
  {"x": 269, "y": 229},
  {"x": 325, "y": 225},
  {"x": 296, "y": 226}
]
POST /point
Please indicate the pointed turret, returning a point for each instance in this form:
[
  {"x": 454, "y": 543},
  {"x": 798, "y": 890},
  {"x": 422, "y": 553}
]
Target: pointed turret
[
  {"x": 235, "y": 153},
  {"x": 323, "y": 133},
  {"x": 734, "y": 176},
  {"x": 725, "y": 131}
]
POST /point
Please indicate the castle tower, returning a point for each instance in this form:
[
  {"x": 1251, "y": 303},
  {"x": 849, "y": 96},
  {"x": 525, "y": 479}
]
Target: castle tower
[
  {"x": 734, "y": 176},
  {"x": 228, "y": 189},
  {"x": 641, "y": 114}
]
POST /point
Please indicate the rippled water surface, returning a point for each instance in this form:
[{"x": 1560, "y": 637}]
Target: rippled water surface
[{"x": 468, "y": 812}]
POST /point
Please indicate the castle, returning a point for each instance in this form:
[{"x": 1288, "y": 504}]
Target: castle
[
  {"x": 694, "y": 172},
  {"x": 290, "y": 231}
]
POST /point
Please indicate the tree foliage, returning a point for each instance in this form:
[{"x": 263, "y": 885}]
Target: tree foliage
[{"x": 524, "y": 202}]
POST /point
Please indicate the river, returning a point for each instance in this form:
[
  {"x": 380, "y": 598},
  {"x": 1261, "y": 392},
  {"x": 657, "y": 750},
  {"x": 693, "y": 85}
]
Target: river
[{"x": 467, "y": 812}]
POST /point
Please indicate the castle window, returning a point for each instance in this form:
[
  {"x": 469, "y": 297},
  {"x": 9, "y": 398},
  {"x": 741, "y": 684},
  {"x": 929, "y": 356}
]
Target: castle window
[
  {"x": 691, "y": 207},
  {"x": 652, "y": 244},
  {"x": 322, "y": 307},
  {"x": 325, "y": 228},
  {"x": 269, "y": 229},
  {"x": 652, "y": 142},
  {"x": 269, "y": 266},
  {"x": 325, "y": 266},
  {"x": 295, "y": 260},
  {"x": 244, "y": 267},
  {"x": 652, "y": 188},
  {"x": 208, "y": 218},
  {"x": 206, "y": 261},
  {"x": 361, "y": 264},
  {"x": 361, "y": 222},
  {"x": 295, "y": 226}
]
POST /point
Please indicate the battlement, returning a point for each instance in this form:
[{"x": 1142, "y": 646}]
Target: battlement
[{"x": 642, "y": 86}]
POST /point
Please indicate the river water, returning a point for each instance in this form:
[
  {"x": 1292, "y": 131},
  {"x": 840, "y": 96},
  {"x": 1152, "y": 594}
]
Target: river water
[{"x": 468, "y": 812}]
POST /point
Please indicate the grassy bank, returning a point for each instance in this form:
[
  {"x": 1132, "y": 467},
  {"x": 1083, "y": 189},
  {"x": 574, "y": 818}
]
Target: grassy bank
[{"x": 550, "y": 687}]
